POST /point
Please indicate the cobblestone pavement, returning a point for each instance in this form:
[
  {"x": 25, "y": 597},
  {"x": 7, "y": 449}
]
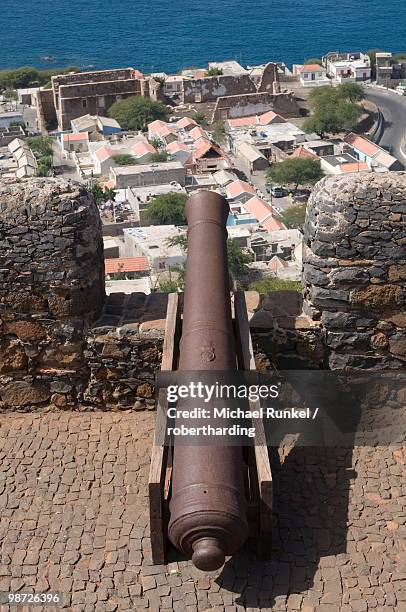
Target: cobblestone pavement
[{"x": 73, "y": 518}]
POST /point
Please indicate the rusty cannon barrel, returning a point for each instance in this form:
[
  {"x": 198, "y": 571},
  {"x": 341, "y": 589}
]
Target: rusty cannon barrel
[{"x": 208, "y": 506}]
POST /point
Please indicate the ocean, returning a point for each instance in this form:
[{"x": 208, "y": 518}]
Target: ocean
[{"x": 162, "y": 35}]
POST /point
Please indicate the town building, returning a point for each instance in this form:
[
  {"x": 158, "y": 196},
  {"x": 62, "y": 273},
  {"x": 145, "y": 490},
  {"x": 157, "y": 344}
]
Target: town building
[
  {"x": 77, "y": 142},
  {"x": 267, "y": 118},
  {"x": 143, "y": 151},
  {"x": 311, "y": 75},
  {"x": 7, "y": 134},
  {"x": 342, "y": 164},
  {"x": 26, "y": 163},
  {"x": 285, "y": 243},
  {"x": 375, "y": 156},
  {"x": 263, "y": 213},
  {"x": 286, "y": 136},
  {"x": 224, "y": 177},
  {"x": 348, "y": 67},
  {"x": 208, "y": 157},
  {"x": 152, "y": 242},
  {"x": 10, "y": 118},
  {"x": 96, "y": 124},
  {"x": 27, "y": 97},
  {"x": 143, "y": 175},
  {"x": 240, "y": 191},
  {"x": 179, "y": 151},
  {"x": 383, "y": 67},
  {"x": 120, "y": 265},
  {"x": 320, "y": 147},
  {"x": 250, "y": 159}
]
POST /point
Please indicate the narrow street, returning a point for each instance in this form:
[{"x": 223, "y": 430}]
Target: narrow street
[{"x": 393, "y": 108}]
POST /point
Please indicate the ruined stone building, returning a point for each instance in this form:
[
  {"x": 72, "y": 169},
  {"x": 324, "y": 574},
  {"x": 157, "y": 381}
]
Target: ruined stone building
[
  {"x": 93, "y": 93},
  {"x": 64, "y": 343}
]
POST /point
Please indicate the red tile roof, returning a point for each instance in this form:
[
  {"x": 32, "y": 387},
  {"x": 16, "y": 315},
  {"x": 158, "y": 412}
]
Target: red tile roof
[
  {"x": 236, "y": 187},
  {"x": 311, "y": 68},
  {"x": 156, "y": 125},
  {"x": 126, "y": 264},
  {"x": 104, "y": 153},
  {"x": 143, "y": 148},
  {"x": 262, "y": 211},
  {"x": 241, "y": 121},
  {"x": 198, "y": 132},
  {"x": 185, "y": 122},
  {"x": 75, "y": 137},
  {"x": 362, "y": 144},
  {"x": 165, "y": 131},
  {"x": 269, "y": 117},
  {"x": 302, "y": 152},
  {"x": 204, "y": 147},
  {"x": 354, "y": 167},
  {"x": 175, "y": 146}
]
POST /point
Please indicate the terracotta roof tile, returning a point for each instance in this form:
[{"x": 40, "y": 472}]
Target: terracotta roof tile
[{"x": 126, "y": 264}]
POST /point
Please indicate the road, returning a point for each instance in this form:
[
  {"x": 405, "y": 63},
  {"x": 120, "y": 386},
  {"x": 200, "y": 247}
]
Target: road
[{"x": 393, "y": 108}]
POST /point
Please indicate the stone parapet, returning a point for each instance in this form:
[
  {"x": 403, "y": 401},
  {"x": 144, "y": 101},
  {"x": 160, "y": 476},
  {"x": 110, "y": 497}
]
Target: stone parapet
[
  {"x": 355, "y": 269},
  {"x": 64, "y": 344}
]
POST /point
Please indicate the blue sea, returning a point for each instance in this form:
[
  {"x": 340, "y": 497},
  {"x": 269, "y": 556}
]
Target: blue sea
[{"x": 166, "y": 35}]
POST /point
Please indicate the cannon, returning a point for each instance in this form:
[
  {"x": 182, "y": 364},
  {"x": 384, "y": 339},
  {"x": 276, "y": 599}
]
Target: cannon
[
  {"x": 201, "y": 494},
  {"x": 208, "y": 507}
]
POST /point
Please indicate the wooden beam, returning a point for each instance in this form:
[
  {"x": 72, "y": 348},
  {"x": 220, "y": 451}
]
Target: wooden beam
[
  {"x": 158, "y": 475},
  {"x": 263, "y": 466}
]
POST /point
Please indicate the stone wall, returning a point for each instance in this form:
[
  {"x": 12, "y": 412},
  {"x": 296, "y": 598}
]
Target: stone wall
[
  {"x": 51, "y": 286},
  {"x": 244, "y": 105},
  {"x": 355, "y": 269},
  {"x": 46, "y": 113}
]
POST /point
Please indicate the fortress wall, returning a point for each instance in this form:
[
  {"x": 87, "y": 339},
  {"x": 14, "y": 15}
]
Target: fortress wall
[{"x": 64, "y": 345}]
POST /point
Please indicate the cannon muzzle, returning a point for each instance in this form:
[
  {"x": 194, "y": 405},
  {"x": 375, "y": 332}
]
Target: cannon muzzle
[{"x": 208, "y": 506}]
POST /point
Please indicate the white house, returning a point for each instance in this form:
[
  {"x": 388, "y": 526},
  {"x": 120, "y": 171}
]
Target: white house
[
  {"x": 152, "y": 242},
  {"x": 348, "y": 67},
  {"x": 142, "y": 152},
  {"x": 312, "y": 75}
]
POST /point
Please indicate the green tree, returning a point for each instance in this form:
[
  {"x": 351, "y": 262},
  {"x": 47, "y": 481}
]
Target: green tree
[
  {"x": 160, "y": 156},
  {"x": 10, "y": 95},
  {"x": 19, "y": 78},
  {"x": 294, "y": 217},
  {"x": 27, "y": 76},
  {"x": 167, "y": 209},
  {"x": 399, "y": 57},
  {"x": 125, "y": 160},
  {"x": 314, "y": 60},
  {"x": 300, "y": 171},
  {"x": 267, "y": 285},
  {"x": 156, "y": 143},
  {"x": 214, "y": 72},
  {"x": 97, "y": 192},
  {"x": 238, "y": 259},
  {"x": 135, "y": 112},
  {"x": 333, "y": 109},
  {"x": 219, "y": 132},
  {"x": 354, "y": 92},
  {"x": 40, "y": 145},
  {"x": 109, "y": 194},
  {"x": 200, "y": 118},
  {"x": 169, "y": 286}
]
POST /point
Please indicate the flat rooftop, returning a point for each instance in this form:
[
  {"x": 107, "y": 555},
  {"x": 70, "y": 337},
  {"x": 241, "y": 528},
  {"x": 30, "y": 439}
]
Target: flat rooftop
[{"x": 141, "y": 168}]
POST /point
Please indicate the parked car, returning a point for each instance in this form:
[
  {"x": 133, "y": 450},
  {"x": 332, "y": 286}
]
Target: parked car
[{"x": 277, "y": 191}]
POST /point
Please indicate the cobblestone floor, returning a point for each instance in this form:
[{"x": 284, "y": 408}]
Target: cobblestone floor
[{"x": 73, "y": 518}]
